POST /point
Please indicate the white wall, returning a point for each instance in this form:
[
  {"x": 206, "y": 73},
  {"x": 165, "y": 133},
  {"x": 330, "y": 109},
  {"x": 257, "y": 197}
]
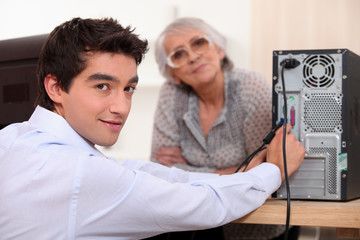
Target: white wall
[
  {"x": 305, "y": 24},
  {"x": 20, "y": 18}
]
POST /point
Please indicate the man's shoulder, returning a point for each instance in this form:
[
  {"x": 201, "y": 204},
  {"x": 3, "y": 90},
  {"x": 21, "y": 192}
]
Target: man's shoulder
[
  {"x": 38, "y": 146},
  {"x": 10, "y": 133},
  {"x": 27, "y": 136}
]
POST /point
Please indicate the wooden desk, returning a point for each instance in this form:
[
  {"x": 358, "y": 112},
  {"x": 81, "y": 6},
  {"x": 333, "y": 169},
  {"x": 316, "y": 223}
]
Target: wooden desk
[{"x": 344, "y": 216}]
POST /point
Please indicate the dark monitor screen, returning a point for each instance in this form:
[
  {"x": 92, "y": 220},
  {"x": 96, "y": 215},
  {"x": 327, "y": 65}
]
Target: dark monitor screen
[{"x": 18, "y": 84}]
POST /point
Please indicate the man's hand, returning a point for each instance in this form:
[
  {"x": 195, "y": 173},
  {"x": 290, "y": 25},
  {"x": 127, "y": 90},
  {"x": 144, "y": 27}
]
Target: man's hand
[
  {"x": 169, "y": 156},
  {"x": 295, "y": 152}
]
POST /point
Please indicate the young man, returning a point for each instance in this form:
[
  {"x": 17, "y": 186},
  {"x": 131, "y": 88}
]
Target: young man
[{"x": 54, "y": 184}]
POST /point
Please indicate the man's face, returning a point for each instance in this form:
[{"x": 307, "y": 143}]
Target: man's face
[{"x": 99, "y": 99}]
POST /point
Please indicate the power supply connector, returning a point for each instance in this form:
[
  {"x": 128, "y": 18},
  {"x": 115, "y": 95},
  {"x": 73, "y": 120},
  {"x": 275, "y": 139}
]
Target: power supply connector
[{"x": 290, "y": 63}]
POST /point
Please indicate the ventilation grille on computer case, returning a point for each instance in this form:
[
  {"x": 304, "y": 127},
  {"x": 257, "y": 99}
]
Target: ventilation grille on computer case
[
  {"x": 322, "y": 112},
  {"x": 332, "y": 187},
  {"x": 318, "y": 71}
]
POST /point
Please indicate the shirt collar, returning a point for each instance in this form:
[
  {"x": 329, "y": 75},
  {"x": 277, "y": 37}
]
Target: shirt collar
[{"x": 54, "y": 124}]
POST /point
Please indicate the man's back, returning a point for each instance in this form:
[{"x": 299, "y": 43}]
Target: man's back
[
  {"x": 55, "y": 185},
  {"x": 37, "y": 171}
]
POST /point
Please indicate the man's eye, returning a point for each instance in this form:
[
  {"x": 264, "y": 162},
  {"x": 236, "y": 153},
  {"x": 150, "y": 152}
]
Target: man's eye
[
  {"x": 103, "y": 87},
  {"x": 130, "y": 89}
]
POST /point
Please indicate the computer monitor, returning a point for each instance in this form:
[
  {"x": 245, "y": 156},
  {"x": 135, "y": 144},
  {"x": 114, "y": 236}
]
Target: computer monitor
[{"x": 18, "y": 84}]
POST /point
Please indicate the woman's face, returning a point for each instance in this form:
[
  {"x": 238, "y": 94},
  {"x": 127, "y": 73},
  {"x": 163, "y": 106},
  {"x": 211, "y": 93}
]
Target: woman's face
[{"x": 199, "y": 69}]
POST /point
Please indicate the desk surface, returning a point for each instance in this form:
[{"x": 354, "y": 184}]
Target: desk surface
[{"x": 307, "y": 213}]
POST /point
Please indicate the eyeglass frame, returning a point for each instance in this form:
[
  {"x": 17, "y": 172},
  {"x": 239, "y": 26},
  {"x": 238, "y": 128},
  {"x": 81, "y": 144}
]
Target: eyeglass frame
[{"x": 168, "y": 58}]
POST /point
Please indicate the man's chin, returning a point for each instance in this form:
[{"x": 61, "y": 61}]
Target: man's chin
[{"x": 106, "y": 144}]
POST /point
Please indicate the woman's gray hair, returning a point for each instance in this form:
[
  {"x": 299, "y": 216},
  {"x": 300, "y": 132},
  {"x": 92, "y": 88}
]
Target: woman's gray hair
[{"x": 180, "y": 26}]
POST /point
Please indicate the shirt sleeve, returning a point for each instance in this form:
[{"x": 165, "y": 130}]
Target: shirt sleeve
[
  {"x": 170, "y": 174},
  {"x": 120, "y": 200}
]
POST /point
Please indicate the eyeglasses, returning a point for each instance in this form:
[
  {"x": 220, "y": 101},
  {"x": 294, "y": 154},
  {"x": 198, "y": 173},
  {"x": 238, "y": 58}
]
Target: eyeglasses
[{"x": 180, "y": 56}]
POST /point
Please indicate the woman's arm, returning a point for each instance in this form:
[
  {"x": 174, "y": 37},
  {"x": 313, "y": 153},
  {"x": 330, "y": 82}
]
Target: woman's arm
[{"x": 166, "y": 137}]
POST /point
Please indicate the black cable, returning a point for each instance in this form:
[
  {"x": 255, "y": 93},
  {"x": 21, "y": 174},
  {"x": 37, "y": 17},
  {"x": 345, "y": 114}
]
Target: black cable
[
  {"x": 284, "y": 154},
  {"x": 254, "y": 154},
  {"x": 249, "y": 158},
  {"x": 287, "y": 63},
  {"x": 267, "y": 139}
]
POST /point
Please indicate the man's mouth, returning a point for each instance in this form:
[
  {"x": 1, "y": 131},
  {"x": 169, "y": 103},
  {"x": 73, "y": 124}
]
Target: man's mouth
[{"x": 112, "y": 125}]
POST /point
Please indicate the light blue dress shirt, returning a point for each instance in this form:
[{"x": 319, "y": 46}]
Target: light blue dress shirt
[{"x": 55, "y": 185}]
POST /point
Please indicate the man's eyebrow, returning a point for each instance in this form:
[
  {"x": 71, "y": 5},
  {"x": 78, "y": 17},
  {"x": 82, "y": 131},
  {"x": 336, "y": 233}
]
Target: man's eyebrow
[
  {"x": 101, "y": 76},
  {"x": 134, "y": 80}
]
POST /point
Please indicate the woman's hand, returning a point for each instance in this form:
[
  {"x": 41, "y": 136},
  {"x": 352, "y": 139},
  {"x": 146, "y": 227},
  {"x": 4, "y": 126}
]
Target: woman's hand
[{"x": 169, "y": 156}]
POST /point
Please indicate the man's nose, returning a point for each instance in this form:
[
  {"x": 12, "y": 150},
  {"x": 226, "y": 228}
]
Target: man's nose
[{"x": 120, "y": 104}]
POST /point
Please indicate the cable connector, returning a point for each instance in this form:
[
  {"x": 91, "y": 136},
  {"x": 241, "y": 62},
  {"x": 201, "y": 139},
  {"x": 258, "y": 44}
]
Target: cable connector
[
  {"x": 271, "y": 134},
  {"x": 290, "y": 63}
]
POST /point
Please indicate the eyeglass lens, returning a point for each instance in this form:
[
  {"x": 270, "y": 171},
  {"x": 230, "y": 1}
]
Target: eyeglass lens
[{"x": 198, "y": 46}]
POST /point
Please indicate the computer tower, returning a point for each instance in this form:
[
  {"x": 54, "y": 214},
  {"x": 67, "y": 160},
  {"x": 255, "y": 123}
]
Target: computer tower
[{"x": 323, "y": 106}]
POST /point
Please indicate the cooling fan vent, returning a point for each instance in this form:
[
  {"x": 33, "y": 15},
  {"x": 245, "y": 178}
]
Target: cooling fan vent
[{"x": 318, "y": 71}]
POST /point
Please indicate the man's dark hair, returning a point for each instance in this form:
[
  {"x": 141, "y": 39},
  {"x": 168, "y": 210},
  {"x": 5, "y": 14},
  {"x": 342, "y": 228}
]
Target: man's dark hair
[{"x": 64, "y": 52}]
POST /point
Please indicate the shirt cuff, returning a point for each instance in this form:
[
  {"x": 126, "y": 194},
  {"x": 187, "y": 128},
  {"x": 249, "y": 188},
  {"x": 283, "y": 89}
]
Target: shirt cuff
[{"x": 266, "y": 171}]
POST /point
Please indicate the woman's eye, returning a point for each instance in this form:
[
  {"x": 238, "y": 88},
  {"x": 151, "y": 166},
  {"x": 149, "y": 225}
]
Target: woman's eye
[
  {"x": 179, "y": 54},
  {"x": 103, "y": 87},
  {"x": 200, "y": 42}
]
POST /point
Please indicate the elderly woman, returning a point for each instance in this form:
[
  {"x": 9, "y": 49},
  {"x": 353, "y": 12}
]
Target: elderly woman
[{"x": 210, "y": 116}]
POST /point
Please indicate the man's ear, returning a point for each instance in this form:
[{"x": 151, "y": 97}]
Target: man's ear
[{"x": 52, "y": 88}]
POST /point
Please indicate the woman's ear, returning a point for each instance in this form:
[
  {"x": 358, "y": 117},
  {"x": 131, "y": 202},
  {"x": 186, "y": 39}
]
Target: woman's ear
[
  {"x": 52, "y": 88},
  {"x": 221, "y": 54}
]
